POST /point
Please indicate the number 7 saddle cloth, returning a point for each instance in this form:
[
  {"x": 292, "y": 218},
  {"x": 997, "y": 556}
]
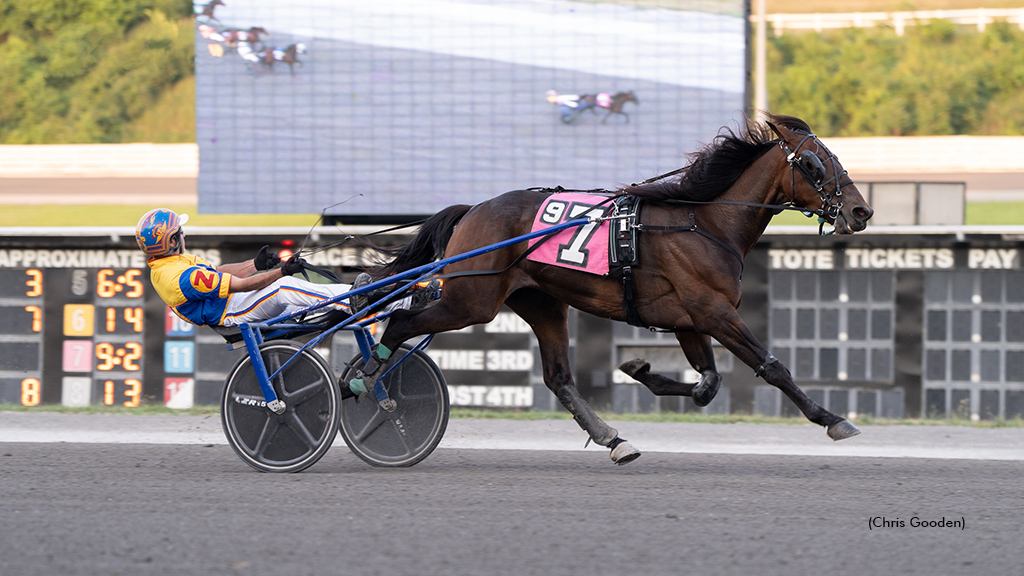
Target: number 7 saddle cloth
[{"x": 596, "y": 247}]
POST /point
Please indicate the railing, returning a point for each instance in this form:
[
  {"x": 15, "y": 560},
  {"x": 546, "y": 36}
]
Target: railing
[
  {"x": 979, "y": 17},
  {"x": 873, "y": 155},
  {"x": 930, "y": 154},
  {"x": 100, "y": 160}
]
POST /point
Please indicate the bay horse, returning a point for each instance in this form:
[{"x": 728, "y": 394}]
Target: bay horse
[
  {"x": 618, "y": 100},
  {"x": 696, "y": 228}
]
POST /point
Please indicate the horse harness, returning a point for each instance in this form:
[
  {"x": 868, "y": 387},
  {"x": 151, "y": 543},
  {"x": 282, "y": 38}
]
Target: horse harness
[
  {"x": 812, "y": 169},
  {"x": 623, "y": 252}
]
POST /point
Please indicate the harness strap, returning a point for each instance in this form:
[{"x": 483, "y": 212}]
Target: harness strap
[
  {"x": 693, "y": 228},
  {"x": 623, "y": 253},
  {"x": 622, "y": 231},
  {"x": 321, "y": 271},
  {"x": 628, "y": 302}
]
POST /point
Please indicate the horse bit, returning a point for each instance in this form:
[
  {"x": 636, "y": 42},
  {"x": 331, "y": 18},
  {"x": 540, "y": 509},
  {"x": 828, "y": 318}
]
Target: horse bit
[{"x": 812, "y": 169}]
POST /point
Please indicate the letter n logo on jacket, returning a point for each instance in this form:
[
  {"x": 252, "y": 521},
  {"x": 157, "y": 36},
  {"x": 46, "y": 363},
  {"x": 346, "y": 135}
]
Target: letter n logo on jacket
[{"x": 204, "y": 280}]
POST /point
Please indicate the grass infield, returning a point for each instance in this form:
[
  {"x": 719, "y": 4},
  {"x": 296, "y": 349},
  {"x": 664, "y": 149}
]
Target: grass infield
[{"x": 977, "y": 213}]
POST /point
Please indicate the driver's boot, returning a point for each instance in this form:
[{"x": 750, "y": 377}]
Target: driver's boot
[{"x": 366, "y": 377}]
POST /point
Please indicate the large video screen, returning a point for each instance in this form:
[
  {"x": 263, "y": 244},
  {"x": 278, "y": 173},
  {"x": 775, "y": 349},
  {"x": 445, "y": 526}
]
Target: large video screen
[{"x": 380, "y": 109}]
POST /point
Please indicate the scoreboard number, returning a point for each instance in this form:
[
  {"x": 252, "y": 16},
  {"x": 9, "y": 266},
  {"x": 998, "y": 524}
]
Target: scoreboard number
[
  {"x": 34, "y": 283},
  {"x": 108, "y": 285},
  {"x": 130, "y": 389},
  {"x": 37, "y": 317},
  {"x": 79, "y": 334},
  {"x": 31, "y": 391},
  {"x": 78, "y": 319},
  {"x": 111, "y": 356}
]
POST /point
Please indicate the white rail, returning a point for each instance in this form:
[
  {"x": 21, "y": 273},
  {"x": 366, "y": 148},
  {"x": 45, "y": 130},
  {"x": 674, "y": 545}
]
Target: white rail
[
  {"x": 930, "y": 154},
  {"x": 905, "y": 154},
  {"x": 100, "y": 160},
  {"x": 978, "y": 17}
]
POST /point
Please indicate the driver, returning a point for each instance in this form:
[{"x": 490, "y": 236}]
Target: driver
[{"x": 232, "y": 294}]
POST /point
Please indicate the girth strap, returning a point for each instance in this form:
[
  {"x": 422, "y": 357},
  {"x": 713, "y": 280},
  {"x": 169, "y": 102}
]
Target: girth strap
[{"x": 628, "y": 302}]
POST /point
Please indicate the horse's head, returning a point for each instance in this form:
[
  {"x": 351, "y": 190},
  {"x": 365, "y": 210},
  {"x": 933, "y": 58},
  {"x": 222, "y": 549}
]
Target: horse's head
[{"x": 817, "y": 181}]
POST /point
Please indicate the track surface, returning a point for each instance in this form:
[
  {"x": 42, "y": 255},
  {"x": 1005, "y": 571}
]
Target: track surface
[{"x": 194, "y": 508}]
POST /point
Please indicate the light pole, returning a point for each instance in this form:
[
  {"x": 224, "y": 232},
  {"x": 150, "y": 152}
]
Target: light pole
[{"x": 760, "y": 85}]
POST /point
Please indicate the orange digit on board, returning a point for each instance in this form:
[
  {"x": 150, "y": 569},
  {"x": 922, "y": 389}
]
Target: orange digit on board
[
  {"x": 105, "y": 287},
  {"x": 133, "y": 351},
  {"x": 133, "y": 393},
  {"x": 30, "y": 392},
  {"x": 34, "y": 283},
  {"x": 133, "y": 316},
  {"x": 134, "y": 284},
  {"x": 37, "y": 317}
]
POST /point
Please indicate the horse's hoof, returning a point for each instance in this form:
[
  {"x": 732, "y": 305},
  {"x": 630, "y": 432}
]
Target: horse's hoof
[
  {"x": 705, "y": 391},
  {"x": 634, "y": 367},
  {"x": 842, "y": 430},
  {"x": 624, "y": 453}
]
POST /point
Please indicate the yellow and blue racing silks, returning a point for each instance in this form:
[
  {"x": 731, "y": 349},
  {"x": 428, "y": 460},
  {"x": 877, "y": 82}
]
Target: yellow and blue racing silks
[{"x": 192, "y": 287}]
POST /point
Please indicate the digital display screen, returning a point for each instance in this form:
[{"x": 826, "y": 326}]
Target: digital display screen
[
  {"x": 94, "y": 336},
  {"x": 404, "y": 107},
  {"x": 21, "y": 336}
]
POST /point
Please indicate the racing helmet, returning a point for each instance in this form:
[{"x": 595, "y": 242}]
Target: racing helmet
[{"x": 155, "y": 230}]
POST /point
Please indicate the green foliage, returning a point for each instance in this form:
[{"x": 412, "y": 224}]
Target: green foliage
[
  {"x": 172, "y": 119},
  {"x": 86, "y": 71},
  {"x": 937, "y": 79},
  {"x": 81, "y": 71}
]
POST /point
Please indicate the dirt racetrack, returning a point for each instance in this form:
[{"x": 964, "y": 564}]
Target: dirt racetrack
[{"x": 103, "y": 505}]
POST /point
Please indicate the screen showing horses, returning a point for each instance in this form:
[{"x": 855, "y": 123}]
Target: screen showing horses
[{"x": 403, "y": 107}]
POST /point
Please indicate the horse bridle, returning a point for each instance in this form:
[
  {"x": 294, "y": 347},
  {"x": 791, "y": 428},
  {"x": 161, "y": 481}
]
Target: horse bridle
[{"x": 811, "y": 167}]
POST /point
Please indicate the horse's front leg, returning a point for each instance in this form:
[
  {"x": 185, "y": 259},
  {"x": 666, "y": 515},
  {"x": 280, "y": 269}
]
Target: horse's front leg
[
  {"x": 549, "y": 319},
  {"x": 732, "y": 333},
  {"x": 698, "y": 351}
]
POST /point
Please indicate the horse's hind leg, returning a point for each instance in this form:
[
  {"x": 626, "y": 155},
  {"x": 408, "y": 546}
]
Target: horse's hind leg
[
  {"x": 698, "y": 351},
  {"x": 549, "y": 319}
]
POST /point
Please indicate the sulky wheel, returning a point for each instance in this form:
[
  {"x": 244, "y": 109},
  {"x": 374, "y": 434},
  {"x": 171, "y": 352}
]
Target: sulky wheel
[
  {"x": 288, "y": 442},
  {"x": 410, "y": 433}
]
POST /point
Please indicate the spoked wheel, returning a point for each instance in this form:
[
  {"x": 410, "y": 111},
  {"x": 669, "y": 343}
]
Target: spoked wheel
[
  {"x": 287, "y": 442},
  {"x": 410, "y": 433}
]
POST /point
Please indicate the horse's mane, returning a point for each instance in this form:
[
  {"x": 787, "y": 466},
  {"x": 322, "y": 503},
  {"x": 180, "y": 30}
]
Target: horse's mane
[{"x": 717, "y": 166}]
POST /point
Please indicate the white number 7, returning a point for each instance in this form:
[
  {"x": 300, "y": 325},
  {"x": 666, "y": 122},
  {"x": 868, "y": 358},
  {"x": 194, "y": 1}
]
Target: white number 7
[{"x": 575, "y": 252}]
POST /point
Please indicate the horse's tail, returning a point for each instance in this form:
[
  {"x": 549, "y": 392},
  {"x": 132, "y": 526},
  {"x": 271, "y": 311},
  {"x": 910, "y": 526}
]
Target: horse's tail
[{"x": 427, "y": 246}]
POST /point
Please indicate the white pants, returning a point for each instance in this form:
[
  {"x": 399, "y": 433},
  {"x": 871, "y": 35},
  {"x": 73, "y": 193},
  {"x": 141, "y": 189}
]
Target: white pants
[{"x": 286, "y": 296}]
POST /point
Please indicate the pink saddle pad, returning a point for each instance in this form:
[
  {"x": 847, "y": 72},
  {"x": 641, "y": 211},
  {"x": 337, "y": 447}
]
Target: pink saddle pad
[{"x": 583, "y": 248}]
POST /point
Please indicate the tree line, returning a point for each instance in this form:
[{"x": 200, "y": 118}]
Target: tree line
[
  {"x": 97, "y": 71},
  {"x": 937, "y": 79},
  {"x": 88, "y": 71}
]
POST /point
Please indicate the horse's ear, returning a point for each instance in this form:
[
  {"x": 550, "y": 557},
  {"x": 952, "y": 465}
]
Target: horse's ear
[{"x": 775, "y": 129}]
